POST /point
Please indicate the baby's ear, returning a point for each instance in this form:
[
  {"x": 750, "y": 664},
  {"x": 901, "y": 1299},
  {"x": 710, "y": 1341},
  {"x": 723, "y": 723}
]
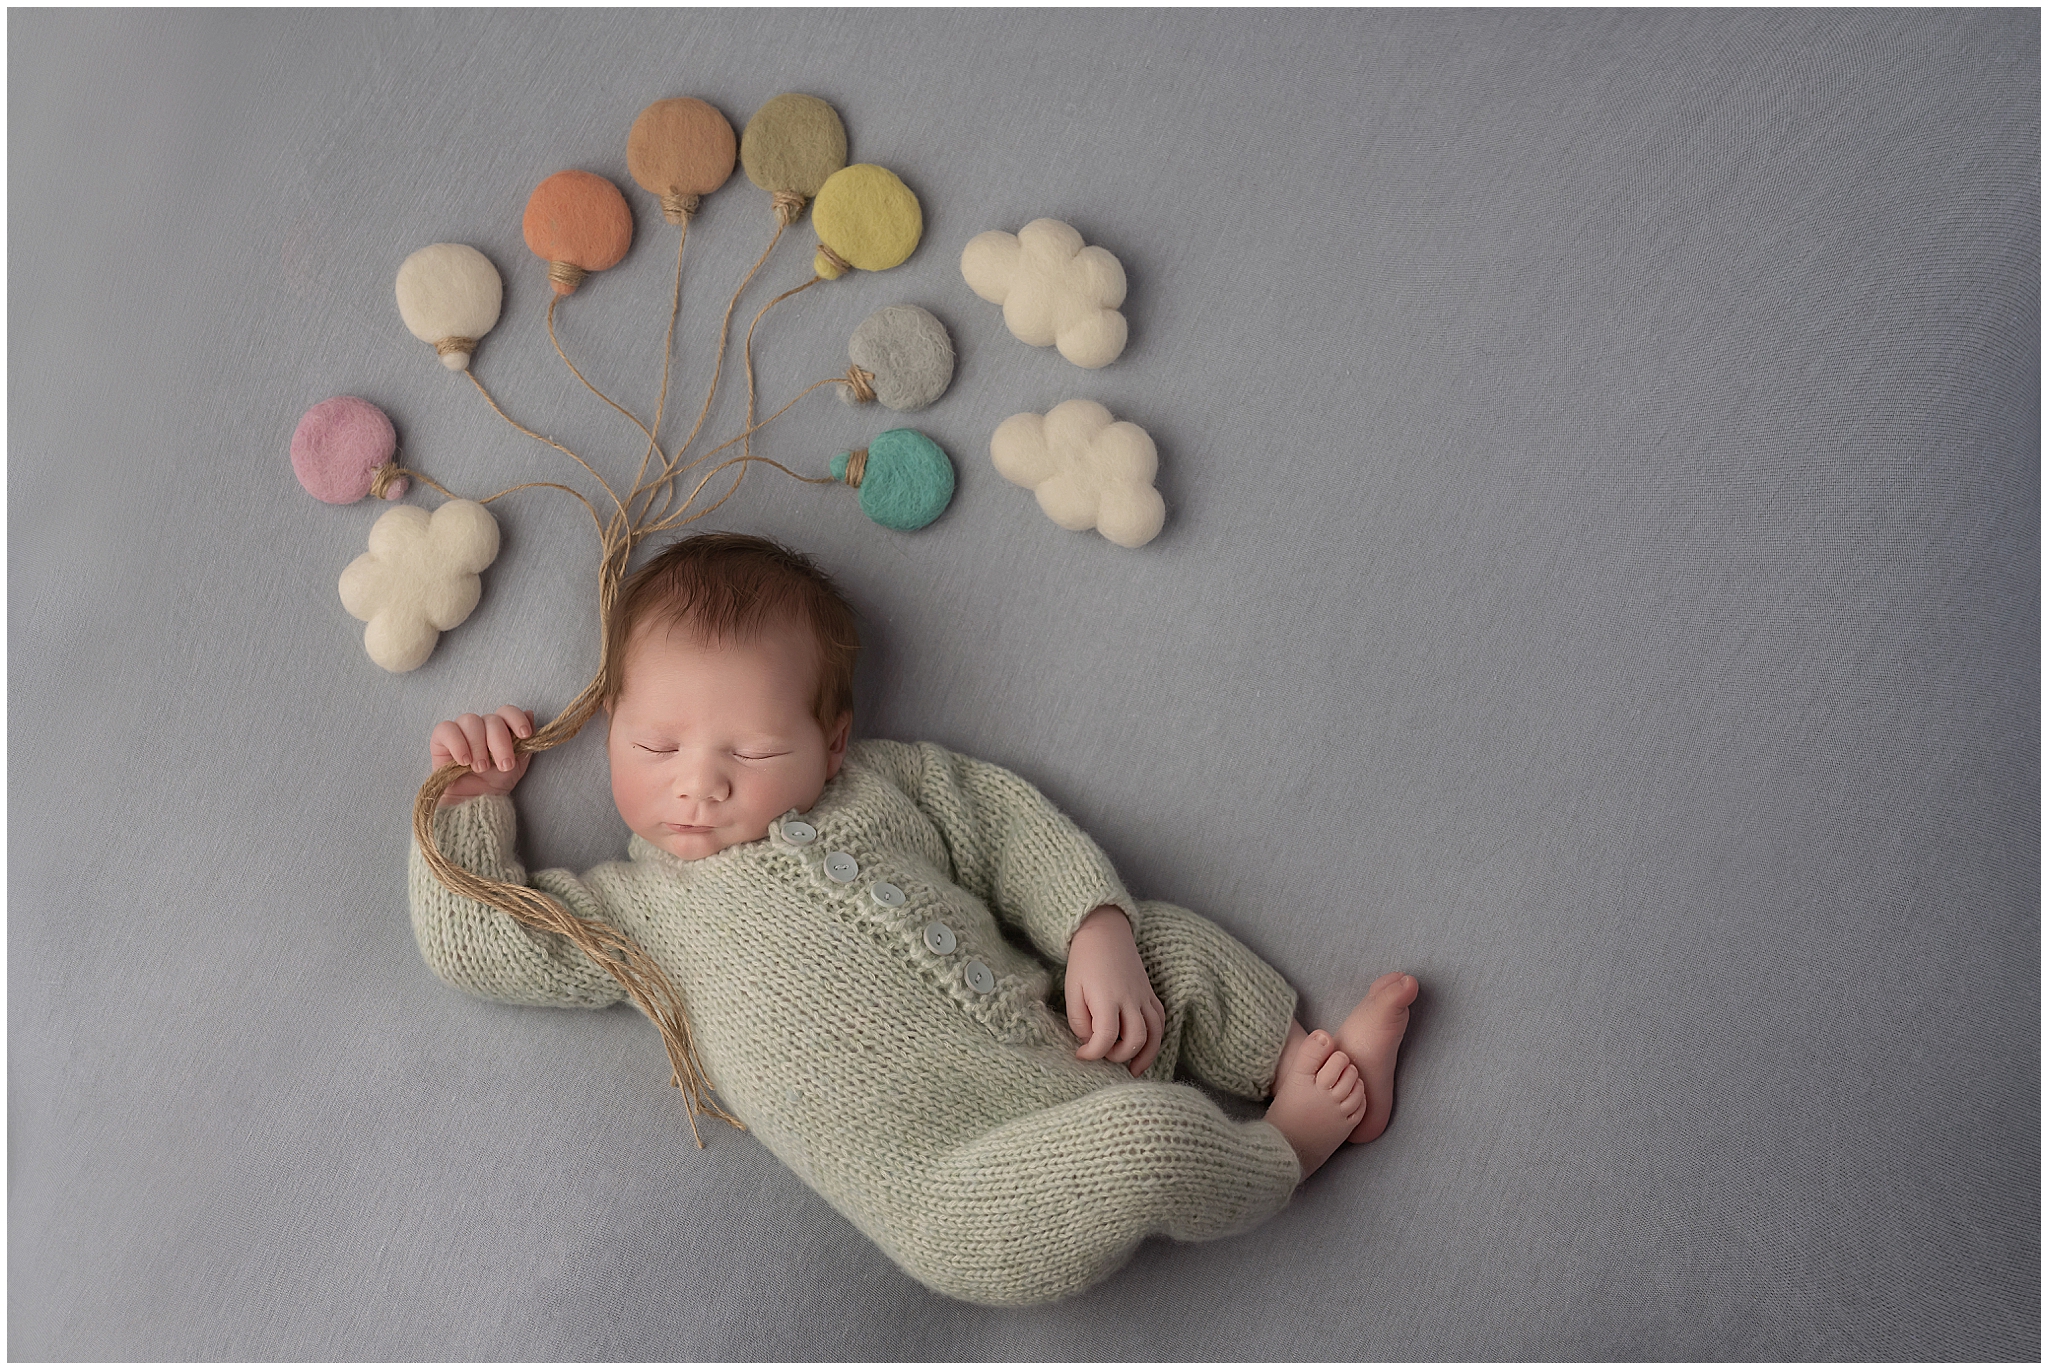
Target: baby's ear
[{"x": 835, "y": 743}]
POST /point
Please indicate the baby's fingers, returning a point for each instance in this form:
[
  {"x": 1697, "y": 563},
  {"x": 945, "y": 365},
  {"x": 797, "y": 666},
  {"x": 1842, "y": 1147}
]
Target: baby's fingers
[
  {"x": 448, "y": 743},
  {"x": 498, "y": 735},
  {"x": 1134, "y": 1034},
  {"x": 1105, "y": 1022},
  {"x": 519, "y": 720},
  {"x": 1155, "y": 1025}
]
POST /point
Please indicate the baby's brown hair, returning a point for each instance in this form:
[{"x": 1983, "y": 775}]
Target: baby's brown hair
[{"x": 726, "y": 587}]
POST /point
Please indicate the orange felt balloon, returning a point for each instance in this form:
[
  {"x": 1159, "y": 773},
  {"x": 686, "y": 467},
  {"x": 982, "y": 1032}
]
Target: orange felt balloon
[
  {"x": 577, "y": 222},
  {"x": 680, "y": 149}
]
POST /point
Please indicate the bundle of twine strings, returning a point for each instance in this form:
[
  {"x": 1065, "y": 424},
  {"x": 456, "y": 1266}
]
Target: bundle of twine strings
[{"x": 632, "y": 520}]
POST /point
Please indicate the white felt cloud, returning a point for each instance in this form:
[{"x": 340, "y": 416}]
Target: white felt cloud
[
  {"x": 1088, "y": 469},
  {"x": 1054, "y": 290},
  {"x": 419, "y": 578}
]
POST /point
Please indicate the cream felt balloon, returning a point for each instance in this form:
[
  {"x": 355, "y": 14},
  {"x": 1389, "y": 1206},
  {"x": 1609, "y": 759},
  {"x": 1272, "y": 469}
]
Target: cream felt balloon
[
  {"x": 1088, "y": 469},
  {"x": 1055, "y": 290},
  {"x": 449, "y": 295},
  {"x": 419, "y": 578}
]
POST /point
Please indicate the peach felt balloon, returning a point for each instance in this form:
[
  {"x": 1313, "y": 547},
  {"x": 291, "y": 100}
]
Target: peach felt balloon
[
  {"x": 449, "y": 295},
  {"x": 791, "y": 146},
  {"x": 866, "y": 218},
  {"x": 679, "y": 151},
  {"x": 577, "y": 223}
]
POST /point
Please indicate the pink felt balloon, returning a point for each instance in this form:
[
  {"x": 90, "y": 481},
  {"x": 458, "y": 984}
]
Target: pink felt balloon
[{"x": 338, "y": 447}]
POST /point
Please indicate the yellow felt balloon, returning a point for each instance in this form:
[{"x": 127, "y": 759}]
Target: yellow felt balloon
[{"x": 866, "y": 215}]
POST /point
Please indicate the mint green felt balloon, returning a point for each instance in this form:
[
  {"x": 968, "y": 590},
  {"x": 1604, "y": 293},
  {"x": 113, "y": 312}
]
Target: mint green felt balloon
[{"x": 904, "y": 478}]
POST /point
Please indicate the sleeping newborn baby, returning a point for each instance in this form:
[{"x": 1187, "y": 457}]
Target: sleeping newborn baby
[{"x": 866, "y": 935}]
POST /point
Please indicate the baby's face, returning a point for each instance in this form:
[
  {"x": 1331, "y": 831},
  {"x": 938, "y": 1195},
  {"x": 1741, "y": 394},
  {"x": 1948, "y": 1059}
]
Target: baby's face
[{"x": 711, "y": 743}]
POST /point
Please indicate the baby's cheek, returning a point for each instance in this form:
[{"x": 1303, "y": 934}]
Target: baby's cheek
[{"x": 630, "y": 795}]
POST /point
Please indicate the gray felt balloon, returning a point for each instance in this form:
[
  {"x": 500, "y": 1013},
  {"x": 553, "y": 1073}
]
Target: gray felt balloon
[{"x": 907, "y": 352}]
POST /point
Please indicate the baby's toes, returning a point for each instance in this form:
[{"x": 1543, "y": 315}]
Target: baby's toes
[
  {"x": 1330, "y": 1076},
  {"x": 1315, "y": 1052},
  {"x": 1352, "y": 1105}
]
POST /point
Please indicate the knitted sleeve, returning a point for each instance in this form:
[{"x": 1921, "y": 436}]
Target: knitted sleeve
[
  {"x": 486, "y": 951},
  {"x": 1010, "y": 847}
]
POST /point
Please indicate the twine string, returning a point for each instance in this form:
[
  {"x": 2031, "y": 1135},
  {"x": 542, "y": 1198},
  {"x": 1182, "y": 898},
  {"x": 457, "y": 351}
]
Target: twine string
[
  {"x": 668, "y": 347},
  {"x": 671, "y": 467},
  {"x": 679, "y": 206},
  {"x": 452, "y": 344},
  {"x": 789, "y": 207},
  {"x": 580, "y": 376},
  {"x": 381, "y": 478},
  {"x": 861, "y": 383},
  {"x": 856, "y": 466},
  {"x": 840, "y": 263},
  {"x": 566, "y": 273},
  {"x": 747, "y": 351},
  {"x": 471, "y": 373}
]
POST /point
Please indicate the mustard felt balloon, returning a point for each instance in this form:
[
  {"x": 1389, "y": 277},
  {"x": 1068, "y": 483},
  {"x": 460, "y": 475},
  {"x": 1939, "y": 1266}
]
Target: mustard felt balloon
[
  {"x": 792, "y": 146},
  {"x": 578, "y": 223},
  {"x": 866, "y": 218},
  {"x": 679, "y": 151},
  {"x": 449, "y": 295}
]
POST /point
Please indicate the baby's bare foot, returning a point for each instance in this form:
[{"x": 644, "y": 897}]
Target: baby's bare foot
[
  {"x": 1317, "y": 1098},
  {"x": 1372, "y": 1036}
]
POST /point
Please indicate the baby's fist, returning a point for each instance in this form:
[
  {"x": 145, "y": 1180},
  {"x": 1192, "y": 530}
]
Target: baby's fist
[{"x": 485, "y": 746}]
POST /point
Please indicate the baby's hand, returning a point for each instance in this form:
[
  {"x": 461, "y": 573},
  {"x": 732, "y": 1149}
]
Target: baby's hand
[
  {"x": 485, "y": 746},
  {"x": 1110, "y": 1003}
]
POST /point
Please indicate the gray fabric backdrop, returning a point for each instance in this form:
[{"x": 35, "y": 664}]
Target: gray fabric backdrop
[{"x": 1601, "y": 576}]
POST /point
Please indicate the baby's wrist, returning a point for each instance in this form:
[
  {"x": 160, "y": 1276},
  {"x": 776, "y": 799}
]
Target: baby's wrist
[{"x": 1095, "y": 917}]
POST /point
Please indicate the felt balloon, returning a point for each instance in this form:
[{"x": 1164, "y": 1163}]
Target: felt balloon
[
  {"x": 906, "y": 356},
  {"x": 792, "y": 145},
  {"x": 904, "y": 478},
  {"x": 340, "y": 448},
  {"x": 419, "y": 578},
  {"x": 679, "y": 151},
  {"x": 449, "y": 295},
  {"x": 577, "y": 223},
  {"x": 866, "y": 218}
]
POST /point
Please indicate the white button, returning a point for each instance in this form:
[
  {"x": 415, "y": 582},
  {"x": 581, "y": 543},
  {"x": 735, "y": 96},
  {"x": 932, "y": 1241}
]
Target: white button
[
  {"x": 979, "y": 978},
  {"x": 939, "y": 938},
  {"x": 799, "y": 832},
  {"x": 886, "y": 894},
  {"x": 841, "y": 867}
]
